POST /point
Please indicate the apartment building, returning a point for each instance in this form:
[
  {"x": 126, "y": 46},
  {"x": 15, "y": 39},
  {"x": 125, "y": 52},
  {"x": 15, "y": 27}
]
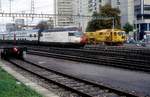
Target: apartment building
[
  {"x": 76, "y": 7},
  {"x": 64, "y": 9},
  {"x": 88, "y": 7},
  {"x": 126, "y": 8},
  {"x": 142, "y": 15},
  {"x": 95, "y": 5}
]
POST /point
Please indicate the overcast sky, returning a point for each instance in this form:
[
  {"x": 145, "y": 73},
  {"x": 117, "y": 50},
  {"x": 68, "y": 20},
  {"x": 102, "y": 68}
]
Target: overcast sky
[
  {"x": 44, "y": 6},
  {"x": 41, "y": 6}
]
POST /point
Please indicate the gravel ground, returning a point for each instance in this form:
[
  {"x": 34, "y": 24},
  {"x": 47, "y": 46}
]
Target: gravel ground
[{"x": 128, "y": 80}]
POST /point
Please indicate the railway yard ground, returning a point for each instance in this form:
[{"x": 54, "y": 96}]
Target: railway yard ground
[{"x": 128, "y": 80}]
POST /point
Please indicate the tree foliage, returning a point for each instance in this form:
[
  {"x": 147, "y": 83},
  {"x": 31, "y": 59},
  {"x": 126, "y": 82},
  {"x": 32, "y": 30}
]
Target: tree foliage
[
  {"x": 103, "y": 23},
  {"x": 128, "y": 27}
]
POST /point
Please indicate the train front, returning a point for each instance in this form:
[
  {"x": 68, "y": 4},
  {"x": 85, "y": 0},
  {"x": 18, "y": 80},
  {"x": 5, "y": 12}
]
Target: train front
[{"x": 79, "y": 39}]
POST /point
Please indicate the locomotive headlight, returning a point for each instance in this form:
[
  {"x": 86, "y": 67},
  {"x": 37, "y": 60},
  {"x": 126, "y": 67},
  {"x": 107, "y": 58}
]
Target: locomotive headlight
[{"x": 15, "y": 49}]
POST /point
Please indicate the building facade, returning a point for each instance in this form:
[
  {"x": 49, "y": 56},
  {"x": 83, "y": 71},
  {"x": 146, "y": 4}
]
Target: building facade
[
  {"x": 126, "y": 8},
  {"x": 95, "y": 5},
  {"x": 142, "y": 15},
  {"x": 87, "y": 8},
  {"x": 133, "y": 11},
  {"x": 64, "y": 9}
]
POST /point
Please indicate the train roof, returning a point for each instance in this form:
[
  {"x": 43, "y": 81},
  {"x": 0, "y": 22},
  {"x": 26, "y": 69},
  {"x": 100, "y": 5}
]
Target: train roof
[
  {"x": 108, "y": 30},
  {"x": 49, "y": 30},
  {"x": 63, "y": 29}
]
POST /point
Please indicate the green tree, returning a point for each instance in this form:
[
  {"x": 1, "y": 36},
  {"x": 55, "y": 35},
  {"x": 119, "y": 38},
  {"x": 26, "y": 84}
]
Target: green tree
[
  {"x": 128, "y": 27},
  {"x": 104, "y": 19}
]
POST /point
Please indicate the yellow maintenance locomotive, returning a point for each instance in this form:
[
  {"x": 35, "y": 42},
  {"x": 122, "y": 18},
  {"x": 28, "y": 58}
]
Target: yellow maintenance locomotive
[{"x": 107, "y": 36}]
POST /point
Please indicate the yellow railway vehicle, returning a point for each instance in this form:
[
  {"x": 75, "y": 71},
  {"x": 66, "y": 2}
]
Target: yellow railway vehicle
[
  {"x": 91, "y": 37},
  {"x": 107, "y": 36}
]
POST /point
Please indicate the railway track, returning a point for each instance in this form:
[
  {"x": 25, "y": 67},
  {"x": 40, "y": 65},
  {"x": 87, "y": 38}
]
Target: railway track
[
  {"x": 79, "y": 86},
  {"x": 137, "y": 50},
  {"x": 129, "y": 54},
  {"x": 134, "y": 58},
  {"x": 126, "y": 52},
  {"x": 101, "y": 60}
]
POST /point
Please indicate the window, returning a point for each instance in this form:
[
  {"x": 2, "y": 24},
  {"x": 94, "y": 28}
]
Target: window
[
  {"x": 71, "y": 34},
  {"x": 41, "y": 35},
  {"x": 121, "y": 33},
  {"x": 30, "y": 35},
  {"x": 34, "y": 35},
  {"x": 78, "y": 34},
  {"x": 101, "y": 33},
  {"x": 115, "y": 33}
]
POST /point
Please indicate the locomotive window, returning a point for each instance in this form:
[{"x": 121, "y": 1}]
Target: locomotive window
[
  {"x": 115, "y": 33},
  {"x": 41, "y": 35},
  {"x": 121, "y": 33},
  {"x": 71, "y": 34},
  {"x": 34, "y": 35},
  {"x": 78, "y": 34},
  {"x": 30, "y": 35},
  {"x": 100, "y": 33}
]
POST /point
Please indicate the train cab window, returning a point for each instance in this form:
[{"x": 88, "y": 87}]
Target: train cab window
[
  {"x": 101, "y": 33},
  {"x": 30, "y": 35},
  {"x": 115, "y": 33},
  {"x": 78, "y": 34},
  {"x": 70, "y": 34},
  {"x": 41, "y": 35},
  {"x": 34, "y": 35},
  {"x": 120, "y": 33}
]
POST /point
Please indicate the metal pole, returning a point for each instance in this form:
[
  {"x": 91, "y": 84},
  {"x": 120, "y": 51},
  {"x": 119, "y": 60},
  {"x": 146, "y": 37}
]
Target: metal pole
[
  {"x": 136, "y": 33},
  {"x": 10, "y": 6},
  {"x": 113, "y": 26},
  {"x": 10, "y": 1},
  {"x": 0, "y": 6},
  {"x": 55, "y": 11}
]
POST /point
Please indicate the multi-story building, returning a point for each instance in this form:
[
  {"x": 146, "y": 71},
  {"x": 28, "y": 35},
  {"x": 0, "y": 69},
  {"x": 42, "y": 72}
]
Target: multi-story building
[
  {"x": 76, "y": 7},
  {"x": 95, "y": 5},
  {"x": 64, "y": 9},
  {"x": 102, "y": 3},
  {"x": 142, "y": 15},
  {"x": 126, "y": 8},
  {"x": 11, "y": 27},
  {"x": 87, "y": 7},
  {"x": 135, "y": 12}
]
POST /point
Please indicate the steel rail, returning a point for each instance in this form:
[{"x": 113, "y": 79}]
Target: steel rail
[
  {"x": 82, "y": 93},
  {"x": 102, "y": 61}
]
